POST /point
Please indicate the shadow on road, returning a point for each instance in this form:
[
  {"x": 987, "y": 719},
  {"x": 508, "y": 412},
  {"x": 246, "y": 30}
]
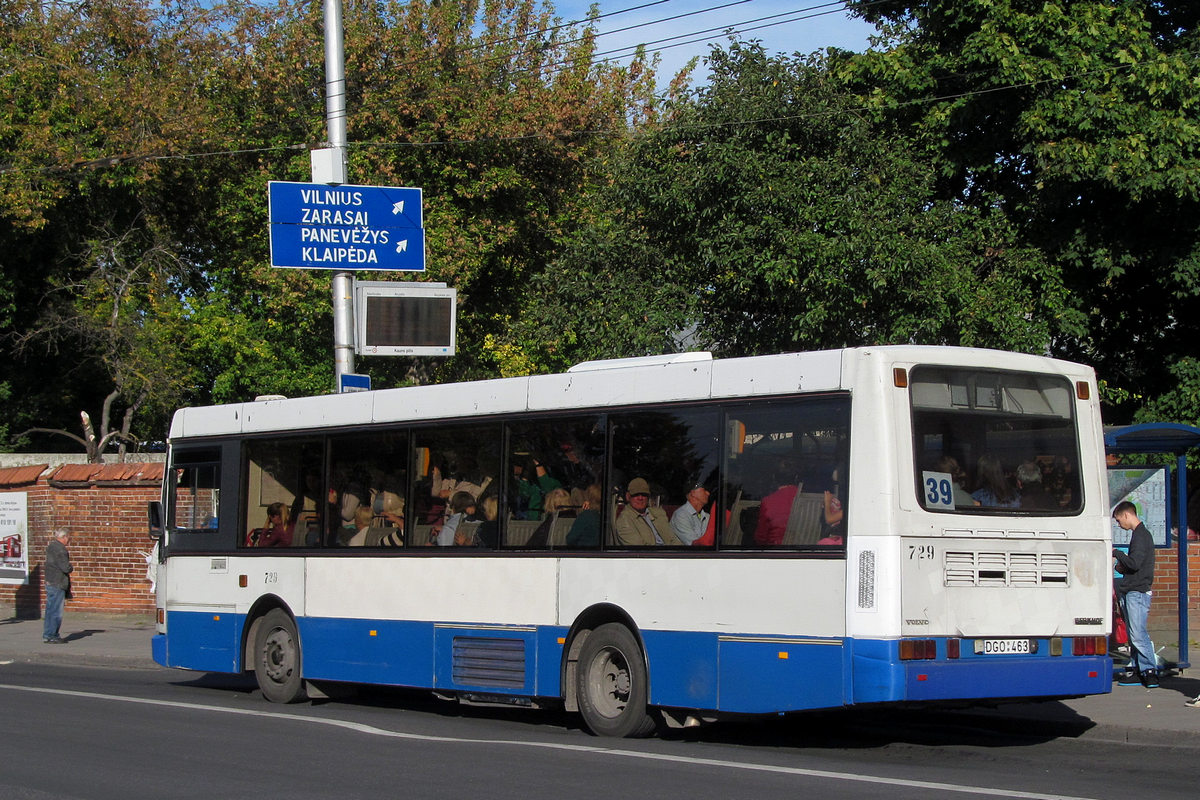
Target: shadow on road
[
  {"x": 873, "y": 728},
  {"x": 852, "y": 728}
]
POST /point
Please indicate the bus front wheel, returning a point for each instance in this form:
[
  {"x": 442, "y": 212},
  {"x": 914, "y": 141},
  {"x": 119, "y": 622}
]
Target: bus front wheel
[
  {"x": 277, "y": 658},
  {"x": 611, "y": 684}
]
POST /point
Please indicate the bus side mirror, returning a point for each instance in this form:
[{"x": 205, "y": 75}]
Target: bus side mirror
[{"x": 154, "y": 512}]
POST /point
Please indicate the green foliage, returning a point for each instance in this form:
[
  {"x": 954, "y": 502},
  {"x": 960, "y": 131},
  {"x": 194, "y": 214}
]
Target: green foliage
[
  {"x": 490, "y": 107},
  {"x": 782, "y": 221},
  {"x": 1182, "y": 402},
  {"x": 1083, "y": 118}
]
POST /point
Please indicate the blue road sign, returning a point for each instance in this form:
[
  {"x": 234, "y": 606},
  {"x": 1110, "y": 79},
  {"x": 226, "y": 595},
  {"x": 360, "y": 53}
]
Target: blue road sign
[
  {"x": 351, "y": 382},
  {"x": 346, "y": 227}
]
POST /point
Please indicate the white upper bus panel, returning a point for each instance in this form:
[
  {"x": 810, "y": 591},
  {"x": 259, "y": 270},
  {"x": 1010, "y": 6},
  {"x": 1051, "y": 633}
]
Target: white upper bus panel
[
  {"x": 655, "y": 379},
  {"x": 502, "y": 396},
  {"x": 305, "y": 412},
  {"x": 662, "y": 383},
  {"x": 207, "y": 420},
  {"x": 782, "y": 374},
  {"x": 643, "y": 361}
]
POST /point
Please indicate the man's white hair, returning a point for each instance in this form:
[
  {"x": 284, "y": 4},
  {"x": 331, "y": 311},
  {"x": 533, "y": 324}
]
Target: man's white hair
[{"x": 62, "y": 533}]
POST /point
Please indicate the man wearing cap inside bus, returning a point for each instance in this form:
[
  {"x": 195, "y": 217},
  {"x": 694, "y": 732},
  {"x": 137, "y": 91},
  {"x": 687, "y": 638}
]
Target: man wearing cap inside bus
[{"x": 640, "y": 525}]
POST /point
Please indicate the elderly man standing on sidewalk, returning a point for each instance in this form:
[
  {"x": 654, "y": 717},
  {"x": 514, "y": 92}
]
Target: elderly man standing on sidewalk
[{"x": 58, "y": 585}]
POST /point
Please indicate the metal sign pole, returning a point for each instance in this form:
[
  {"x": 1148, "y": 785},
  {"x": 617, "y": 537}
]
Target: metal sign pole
[{"x": 335, "y": 117}]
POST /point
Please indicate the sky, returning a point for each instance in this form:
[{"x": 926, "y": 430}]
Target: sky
[{"x": 802, "y": 26}]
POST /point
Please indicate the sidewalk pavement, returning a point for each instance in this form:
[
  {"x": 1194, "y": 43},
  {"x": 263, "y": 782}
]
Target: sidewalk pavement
[
  {"x": 1129, "y": 714},
  {"x": 98, "y": 640}
]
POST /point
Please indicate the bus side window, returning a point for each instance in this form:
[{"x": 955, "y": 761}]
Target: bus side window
[
  {"x": 368, "y": 486},
  {"x": 196, "y": 491},
  {"x": 552, "y": 465},
  {"x": 461, "y": 459},
  {"x": 281, "y": 473},
  {"x": 786, "y": 471},
  {"x": 660, "y": 458}
]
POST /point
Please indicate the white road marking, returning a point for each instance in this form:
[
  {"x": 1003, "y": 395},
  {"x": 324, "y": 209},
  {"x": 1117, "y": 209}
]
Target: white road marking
[{"x": 575, "y": 748}]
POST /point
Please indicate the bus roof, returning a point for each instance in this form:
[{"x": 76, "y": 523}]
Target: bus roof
[{"x": 594, "y": 384}]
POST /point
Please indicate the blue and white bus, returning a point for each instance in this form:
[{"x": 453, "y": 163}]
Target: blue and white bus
[{"x": 669, "y": 538}]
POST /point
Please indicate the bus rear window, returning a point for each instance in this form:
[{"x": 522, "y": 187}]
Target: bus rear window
[{"x": 994, "y": 442}]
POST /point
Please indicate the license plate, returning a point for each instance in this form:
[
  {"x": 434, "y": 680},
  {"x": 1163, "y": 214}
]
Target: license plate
[{"x": 990, "y": 647}]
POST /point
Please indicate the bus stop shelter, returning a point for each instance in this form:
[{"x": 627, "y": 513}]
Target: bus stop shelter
[{"x": 1177, "y": 439}]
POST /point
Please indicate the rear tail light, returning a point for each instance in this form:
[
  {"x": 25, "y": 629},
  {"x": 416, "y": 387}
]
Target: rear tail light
[
  {"x": 1089, "y": 646},
  {"x": 917, "y": 649},
  {"x": 952, "y": 647}
]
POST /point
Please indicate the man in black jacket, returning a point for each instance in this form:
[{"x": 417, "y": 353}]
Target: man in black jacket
[
  {"x": 58, "y": 584},
  {"x": 1133, "y": 594}
]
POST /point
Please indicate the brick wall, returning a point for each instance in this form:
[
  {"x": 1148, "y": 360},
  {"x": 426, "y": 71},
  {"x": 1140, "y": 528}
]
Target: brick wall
[
  {"x": 104, "y": 507},
  {"x": 1164, "y": 611}
]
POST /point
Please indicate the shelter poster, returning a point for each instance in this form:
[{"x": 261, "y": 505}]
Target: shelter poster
[
  {"x": 14, "y": 537},
  {"x": 1146, "y": 488}
]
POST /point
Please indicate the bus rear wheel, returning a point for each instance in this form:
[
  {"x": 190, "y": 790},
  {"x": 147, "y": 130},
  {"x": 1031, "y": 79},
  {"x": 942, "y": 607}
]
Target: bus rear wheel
[
  {"x": 277, "y": 658},
  {"x": 611, "y": 684}
]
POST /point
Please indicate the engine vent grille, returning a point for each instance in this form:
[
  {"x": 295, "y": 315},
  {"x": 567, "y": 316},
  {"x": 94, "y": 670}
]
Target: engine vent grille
[
  {"x": 496, "y": 662},
  {"x": 998, "y": 568}
]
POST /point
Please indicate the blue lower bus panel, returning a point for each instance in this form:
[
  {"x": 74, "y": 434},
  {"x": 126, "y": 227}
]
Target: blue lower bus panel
[
  {"x": 706, "y": 671},
  {"x": 517, "y": 661},
  {"x": 744, "y": 674},
  {"x": 880, "y": 676},
  {"x": 204, "y": 641}
]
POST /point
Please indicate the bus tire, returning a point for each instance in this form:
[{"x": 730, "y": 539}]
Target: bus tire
[
  {"x": 610, "y": 684},
  {"x": 277, "y": 658}
]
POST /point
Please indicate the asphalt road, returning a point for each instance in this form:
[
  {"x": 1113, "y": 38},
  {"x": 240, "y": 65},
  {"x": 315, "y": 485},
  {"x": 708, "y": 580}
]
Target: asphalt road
[{"x": 90, "y": 732}]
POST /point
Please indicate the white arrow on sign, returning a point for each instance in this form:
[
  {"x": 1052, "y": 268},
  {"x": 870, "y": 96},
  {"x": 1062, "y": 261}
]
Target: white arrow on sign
[
  {"x": 398, "y": 208},
  {"x": 402, "y": 246}
]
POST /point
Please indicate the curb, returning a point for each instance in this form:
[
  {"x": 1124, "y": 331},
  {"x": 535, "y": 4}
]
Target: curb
[
  {"x": 1084, "y": 729},
  {"x": 81, "y": 660}
]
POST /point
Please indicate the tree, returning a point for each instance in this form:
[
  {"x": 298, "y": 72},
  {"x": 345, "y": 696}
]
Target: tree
[
  {"x": 1083, "y": 118},
  {"x": 89, "y": 216},
  {"x": 158, "y": 126},
  {"x": 123, "y": 316},
  {"x": 771, "y": 216}
]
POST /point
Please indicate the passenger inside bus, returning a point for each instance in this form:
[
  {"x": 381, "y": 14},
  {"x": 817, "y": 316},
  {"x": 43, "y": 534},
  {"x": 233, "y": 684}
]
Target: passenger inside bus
[
  {"x": 488, "y": 533},
  {"x": 572, "y": 471},
  {"x": 277, "y": 532},
  {"x": 690, "y": 520},
  {"x": 641, "y": 524},
  {"x": 556, "y": 507},
  {"x": 362, "y": 526},
  {"x": 958, "y": 480},
  {"x": 462, "y": 504},
  {"x": 1034, "y": 496},
  {"x": 994, "y": 490},
  {"x": 392, "y": 529},
  {"x": 833, "y": 514},
  {"x": 775, "y": 508},
  {"x": 467, "y": 478},
  {"x": 389, "y": 509},
  {"x": 530, "y": 484},
  {"x": 585, "y": 530}
]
